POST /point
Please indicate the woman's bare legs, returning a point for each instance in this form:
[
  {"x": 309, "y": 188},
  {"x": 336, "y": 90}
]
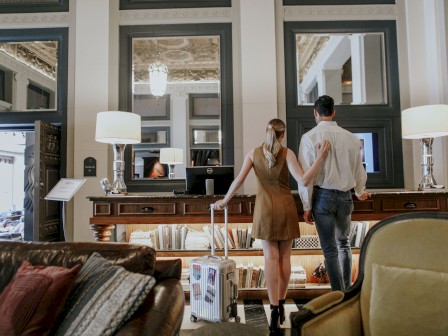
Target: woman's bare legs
[
  {"x": 277, "y": 268},
  {"x": 284, "y": 273},
  {"x": 271, "y": 269}
]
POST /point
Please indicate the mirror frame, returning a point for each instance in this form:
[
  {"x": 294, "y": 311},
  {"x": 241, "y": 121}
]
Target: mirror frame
[
  {"x": 59, "y": 114},
  {"x": 382, "y": 118},
  {"x": 35, "y": 7},
  {"x": 158, "y": 4},
  {"x": 127, "y": 33}
]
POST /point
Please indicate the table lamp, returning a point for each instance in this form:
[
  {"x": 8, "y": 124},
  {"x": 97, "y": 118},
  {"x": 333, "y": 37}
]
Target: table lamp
[
  {"x": 171, "y": 157},
  {"x": 425, "y": 123},
  {"x": 118, "y": 129}
]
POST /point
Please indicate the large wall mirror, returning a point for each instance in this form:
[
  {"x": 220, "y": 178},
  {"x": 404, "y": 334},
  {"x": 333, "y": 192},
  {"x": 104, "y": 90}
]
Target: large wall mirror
[
  {"x": 33, "y": 75},
  {"x": 350, "y": 67},
  {"x": 355, "y": 62},
  {"x": 178, "y": 78}
]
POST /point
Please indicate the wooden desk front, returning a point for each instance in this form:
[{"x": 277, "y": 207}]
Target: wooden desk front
[{"x": 166, "y": 208}]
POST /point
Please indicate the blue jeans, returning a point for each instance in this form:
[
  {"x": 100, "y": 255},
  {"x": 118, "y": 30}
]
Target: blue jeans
[{"x": 332, "y": 211}]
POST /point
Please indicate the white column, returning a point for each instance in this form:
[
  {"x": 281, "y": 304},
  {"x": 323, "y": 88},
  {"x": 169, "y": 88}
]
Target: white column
[
  {"x": 20, "y": 92},
  {"x": 258, "y": 73},
  {"x": 427, "y": 68},
  {"x": 91, "y": 95},
  {"x": 179, "y": 129},
  {"x": 331, "y": 84},
  {"x": 358, "y": 74}
]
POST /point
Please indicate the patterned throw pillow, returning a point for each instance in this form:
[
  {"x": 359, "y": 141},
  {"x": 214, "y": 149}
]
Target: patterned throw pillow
[
  {"x": 103, "y": 297},
  {"x": 34, "y": 298}
]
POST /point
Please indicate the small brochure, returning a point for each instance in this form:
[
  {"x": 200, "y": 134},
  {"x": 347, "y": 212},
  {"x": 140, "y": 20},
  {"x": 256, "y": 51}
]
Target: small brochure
[{"x": 65, "y": 189}]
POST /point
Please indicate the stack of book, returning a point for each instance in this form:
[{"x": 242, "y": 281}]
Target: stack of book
[
  {"x": 237, "y": 238},
  {"x": 358, "y": 231},
  {"x": 165, "y": 237},
  {"x": 185, "y": 279},
  {"x": 250, "y": 276},
  {"x": 196, "y": 240},
  {"x": 298, "y": 277}
]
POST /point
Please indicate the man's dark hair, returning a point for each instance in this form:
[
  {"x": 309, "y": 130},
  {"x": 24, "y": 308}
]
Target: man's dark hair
[{"x": 324, "y": 106}]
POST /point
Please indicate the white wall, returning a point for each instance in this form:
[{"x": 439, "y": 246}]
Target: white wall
[{"x": 91, "y": 95}]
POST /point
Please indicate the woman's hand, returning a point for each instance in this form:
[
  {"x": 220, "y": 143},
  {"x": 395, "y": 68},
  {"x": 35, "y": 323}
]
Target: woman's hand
[
  {"x": 323, "y": 149},
  {"x": 219, "y": 205}
]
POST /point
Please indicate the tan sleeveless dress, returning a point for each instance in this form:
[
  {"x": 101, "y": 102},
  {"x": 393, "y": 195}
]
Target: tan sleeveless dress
[{"x": 275, "y": 214}]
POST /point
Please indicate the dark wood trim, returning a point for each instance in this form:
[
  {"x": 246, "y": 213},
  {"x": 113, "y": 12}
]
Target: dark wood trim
[
  {"x": 34, "y": 6},
  {"x": 385, "y": 117},
  {"x": 24, "y": 120},
  {"x": 336, "y": 2},
  {"x": 192, "y": 97},
  {"x": 224, "y": 30},
  {"x": 58, "y": 116},
  {"x": 159, "y": 4}
]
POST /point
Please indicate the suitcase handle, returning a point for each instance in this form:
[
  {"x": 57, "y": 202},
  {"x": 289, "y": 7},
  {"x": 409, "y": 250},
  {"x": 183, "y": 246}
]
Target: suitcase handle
[{"x": 212, "y": 215}]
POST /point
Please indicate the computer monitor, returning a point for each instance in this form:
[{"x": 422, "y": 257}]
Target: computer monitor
[{"x": 222, "y": 175}]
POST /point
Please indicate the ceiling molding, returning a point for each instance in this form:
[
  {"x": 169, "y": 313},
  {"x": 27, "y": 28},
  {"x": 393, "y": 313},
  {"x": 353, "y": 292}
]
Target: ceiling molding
[
  {"x": 36, "y": 20},
  {"x": 336, "y": 13},
  {"x": 180, "y": 15}
]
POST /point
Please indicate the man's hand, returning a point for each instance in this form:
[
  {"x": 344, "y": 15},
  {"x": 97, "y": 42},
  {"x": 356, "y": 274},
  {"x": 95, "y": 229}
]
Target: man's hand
[
  {"x": 365, "y": 195},
  {"x": 308, "y": 216}
]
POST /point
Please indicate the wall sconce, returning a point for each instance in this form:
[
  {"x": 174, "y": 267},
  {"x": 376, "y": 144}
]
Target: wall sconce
[
  {"x": 425, "y": 123},
  {"x": 171, "y": 157},
  {"x": 118, "y": 129}
]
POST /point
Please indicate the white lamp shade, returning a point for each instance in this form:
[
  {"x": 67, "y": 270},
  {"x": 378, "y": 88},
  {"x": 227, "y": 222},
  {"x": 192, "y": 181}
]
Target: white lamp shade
[
  {"x": 428, "y": 121},
  {"x": 171, "y": 155},
  {"x": 115, "y": 127}
]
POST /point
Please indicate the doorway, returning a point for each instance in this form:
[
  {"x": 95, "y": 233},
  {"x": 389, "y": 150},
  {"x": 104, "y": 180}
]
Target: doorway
[{"x": 12, "y": 179}]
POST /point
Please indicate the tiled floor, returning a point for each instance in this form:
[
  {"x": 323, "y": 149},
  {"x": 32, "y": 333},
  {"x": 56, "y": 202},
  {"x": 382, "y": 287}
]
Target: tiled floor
[{"x": 252, "y": 312}]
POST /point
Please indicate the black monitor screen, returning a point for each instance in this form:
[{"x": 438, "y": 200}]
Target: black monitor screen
[{"x": 222, "y": 175}]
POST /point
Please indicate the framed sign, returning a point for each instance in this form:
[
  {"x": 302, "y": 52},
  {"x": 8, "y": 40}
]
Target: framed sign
[{"x": 65, "y": 189}]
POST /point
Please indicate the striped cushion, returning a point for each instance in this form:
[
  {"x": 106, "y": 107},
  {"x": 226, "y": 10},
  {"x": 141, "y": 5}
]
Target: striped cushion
[{"x": 103, "y": 297}]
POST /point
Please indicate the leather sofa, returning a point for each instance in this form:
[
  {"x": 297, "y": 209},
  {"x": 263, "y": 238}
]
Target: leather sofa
[{"x": 161, "y": 312}]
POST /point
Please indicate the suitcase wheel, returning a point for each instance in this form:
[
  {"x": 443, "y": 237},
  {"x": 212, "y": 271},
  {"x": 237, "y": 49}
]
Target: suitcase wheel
[{"x": 193, "y": 318}]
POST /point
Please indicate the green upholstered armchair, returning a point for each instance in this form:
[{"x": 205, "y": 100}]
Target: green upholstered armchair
[{"x": 402, "y": 285}]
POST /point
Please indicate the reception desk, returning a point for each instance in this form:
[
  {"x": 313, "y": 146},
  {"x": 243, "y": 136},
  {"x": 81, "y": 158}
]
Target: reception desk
[{"x": 166, "y": 208}]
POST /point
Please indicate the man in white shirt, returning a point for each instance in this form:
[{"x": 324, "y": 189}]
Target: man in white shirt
[{"x": 329, "y": 199}]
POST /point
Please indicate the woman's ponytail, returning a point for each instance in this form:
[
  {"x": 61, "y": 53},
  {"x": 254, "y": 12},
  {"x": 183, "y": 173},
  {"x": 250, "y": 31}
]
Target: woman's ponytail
[{"x": 271, "y": 145}]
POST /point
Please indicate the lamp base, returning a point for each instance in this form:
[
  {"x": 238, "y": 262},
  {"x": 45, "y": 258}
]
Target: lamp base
[
  {"x": 427, "y": 180},
  {"x": 171, "y": 171}
]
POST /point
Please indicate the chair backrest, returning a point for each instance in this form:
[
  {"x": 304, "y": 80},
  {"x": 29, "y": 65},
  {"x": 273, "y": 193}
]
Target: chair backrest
[{"x": 411, "y": 240}]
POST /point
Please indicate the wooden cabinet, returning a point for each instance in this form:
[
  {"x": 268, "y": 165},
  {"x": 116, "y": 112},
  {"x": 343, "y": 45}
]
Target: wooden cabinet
[{"x": 152, "y": 209}]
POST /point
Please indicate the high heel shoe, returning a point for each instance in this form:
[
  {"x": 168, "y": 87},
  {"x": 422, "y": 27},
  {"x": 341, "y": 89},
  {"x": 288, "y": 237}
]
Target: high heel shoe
[
  {"x": 281, "y": 310},
  {"x": 274, "y": 326}
]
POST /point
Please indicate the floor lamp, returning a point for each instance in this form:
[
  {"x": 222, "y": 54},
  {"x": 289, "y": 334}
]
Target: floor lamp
[
  {"x": 118, "y": 129},
  {"x": 425, "y": 123}
]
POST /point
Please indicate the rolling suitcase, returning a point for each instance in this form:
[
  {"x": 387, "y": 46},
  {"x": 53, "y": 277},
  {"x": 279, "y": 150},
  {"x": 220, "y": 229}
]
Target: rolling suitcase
[{"x": 213, "y": 286}]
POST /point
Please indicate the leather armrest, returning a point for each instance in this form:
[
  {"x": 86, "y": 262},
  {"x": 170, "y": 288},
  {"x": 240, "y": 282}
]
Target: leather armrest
[
  {"x": 171, "y": 268},
  {"x": 160, "y": 314}
]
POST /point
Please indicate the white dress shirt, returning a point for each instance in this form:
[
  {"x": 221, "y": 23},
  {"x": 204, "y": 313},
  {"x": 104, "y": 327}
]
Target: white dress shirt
[{"x": 342, "y": 169}]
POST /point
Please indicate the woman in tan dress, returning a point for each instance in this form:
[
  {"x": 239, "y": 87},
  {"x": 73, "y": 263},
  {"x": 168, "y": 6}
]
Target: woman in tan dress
[{"x": 275, "y": 218}]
